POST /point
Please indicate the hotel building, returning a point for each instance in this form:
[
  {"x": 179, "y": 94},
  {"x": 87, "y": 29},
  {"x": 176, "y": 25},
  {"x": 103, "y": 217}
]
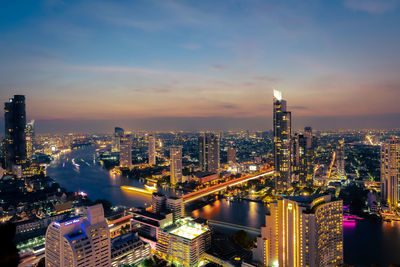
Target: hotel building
[
  {"x": 302, "y": 231},
  {"x": 79, "y": 241}
]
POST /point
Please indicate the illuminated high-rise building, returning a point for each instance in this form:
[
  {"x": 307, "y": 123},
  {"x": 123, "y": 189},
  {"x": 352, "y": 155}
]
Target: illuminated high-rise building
[
  {"x": 231, "y": 155},
  {"x": 158, "y": 203},
  {"x": 340, "y": 160},
  {"x": 299, "y": 162},
  {"x": 15, "y": 139},
  {"x": 79, "y": 241},
  {"x": 209, "y": 153},
  {"x": 175, "y": 165},
  {"x": 118, "y": 134},
  {"x": 302, "y": 231},
  {"x": 176, "y": 206},
  {"x": 390, "y": 172},
  {"x": 30, "y": 139},
  {"x": 125, "y": 154},
  {"x": 152, "y": 150},
  {"x": 282, "y": 142}
]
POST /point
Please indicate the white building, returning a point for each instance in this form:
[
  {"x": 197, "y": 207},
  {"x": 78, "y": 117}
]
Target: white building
[{"x": 79, "y": 241}]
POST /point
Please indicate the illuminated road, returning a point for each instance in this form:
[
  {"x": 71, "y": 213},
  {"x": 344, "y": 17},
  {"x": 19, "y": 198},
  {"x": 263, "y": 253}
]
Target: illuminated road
[{"x": 216, "y": 188}]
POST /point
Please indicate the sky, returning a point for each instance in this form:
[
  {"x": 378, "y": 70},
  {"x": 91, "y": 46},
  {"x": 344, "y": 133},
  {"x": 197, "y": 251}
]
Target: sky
[{"x": 198, "y": 65}]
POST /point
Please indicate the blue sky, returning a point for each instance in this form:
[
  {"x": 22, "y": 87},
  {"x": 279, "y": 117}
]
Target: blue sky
[{"x": 128, "y": 60}]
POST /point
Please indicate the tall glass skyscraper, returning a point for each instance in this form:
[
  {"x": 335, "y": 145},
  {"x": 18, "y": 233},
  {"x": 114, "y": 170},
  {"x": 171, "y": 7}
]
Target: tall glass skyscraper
[
  {"x": 209, "y": 153},
  {"x": 282, "y": 142},
  {"x": 15, "y": 139}
]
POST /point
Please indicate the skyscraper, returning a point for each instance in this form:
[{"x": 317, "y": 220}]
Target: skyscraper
[
  {"x": 302, "y": 231},
  {"x": 176, "y": 206},
  {"x": 282, "y": 140},
  {"x": 118, "y": 134},
  {"x": 158, "y": 203},
  {"x": 175, "y": 165},
  {"x": 209, "y": 153},
  {"x": 152, "y": 150},
  {"x": 390, "y": 172},
  {"x": 310, "y": 152},
  {"x": 79, "y": 241},
  {"x": 30, "y": 139},
  {"x": 299, "y": 163},
  {"x": 231, "y": 155},
  {"x": 340, "y": 160},
  {"x": 15, "y": 139},
  {"x": 125, "y": 154}
]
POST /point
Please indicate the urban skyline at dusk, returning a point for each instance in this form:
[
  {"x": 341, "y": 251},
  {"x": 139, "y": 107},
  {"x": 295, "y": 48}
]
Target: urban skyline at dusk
[{"x": 88, "y": 66}]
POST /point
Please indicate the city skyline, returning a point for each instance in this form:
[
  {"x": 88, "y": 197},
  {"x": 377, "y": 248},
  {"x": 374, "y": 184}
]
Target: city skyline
[{"x": 335, "y": 62}]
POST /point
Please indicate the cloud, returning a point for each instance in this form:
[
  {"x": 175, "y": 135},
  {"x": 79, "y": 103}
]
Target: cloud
[
  {"x": 228, "y": 106},
  {"x": 299, "y": 107},
  {"x": 267, "y": 78},
  {"x": 219, "y": 67},
  {"x": 372, "y": 6}
]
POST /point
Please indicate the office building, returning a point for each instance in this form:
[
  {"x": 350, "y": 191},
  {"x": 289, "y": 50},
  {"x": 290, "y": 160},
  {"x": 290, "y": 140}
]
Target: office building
[
  {"x": 282, "y": 140},
  {"x": 184, "y": 244},
  {"x": 302, "y": 231},
  {"x": 152, "y": 150},
  {"x": 79, "y": 241},
  {"x": 176, "y": 206},
  {"x": 209, "y": 153},
  {"x": 390, "y": 172},
  {"x": 150, "y": 224},
  {"x": 340, "y": 160},
  {"x": 15, "y": 139},
  {"x": 231, "y": 155},
  {"x": 158, "y": 203},
  {"x": 175, "y": 165},
  {"x": 128, "y": 249},
  {"x": 118, "y": 135},
  {"x": 30, "y": 139},
  {"x": 125, "y": 154}
]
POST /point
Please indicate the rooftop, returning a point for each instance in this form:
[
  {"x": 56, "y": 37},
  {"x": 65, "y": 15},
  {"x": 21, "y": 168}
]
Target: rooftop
[{"x": 189, "y": 230}]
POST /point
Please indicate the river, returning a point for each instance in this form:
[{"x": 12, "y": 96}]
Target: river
[{"x": 364, "y": 243}]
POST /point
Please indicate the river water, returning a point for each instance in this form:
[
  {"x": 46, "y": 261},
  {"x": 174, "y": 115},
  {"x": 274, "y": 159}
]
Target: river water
[{"x": 364, "y": 243}]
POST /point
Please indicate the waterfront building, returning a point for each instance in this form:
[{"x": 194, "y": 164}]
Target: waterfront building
[
  {"x": 152, "y": 150},
  {"x": 79, "y": 241},
  {"x": 158, "y": 203},
  {"x": 282, "y": 140},
  {"x": 184, "y": 244},
  {"x": 390, "y": 172},
  {"x": 209, "y": 156},
  {"x": 118, "y": 134},
  {"x": 125, "y": 154},
  {"x": 175, "y": 165},
  {"x": 30, "y": 139},
  {"x": 302, "y": 231},
  {"x": 15, "y": 139},
  {"x": 231, "y": 155},
  {"x": 150, "y": 224},
  {"x": 176, "y": 206}
]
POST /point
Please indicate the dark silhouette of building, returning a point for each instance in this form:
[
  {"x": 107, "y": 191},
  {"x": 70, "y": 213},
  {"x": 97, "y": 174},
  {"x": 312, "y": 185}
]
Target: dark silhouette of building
[{"x": 15, "y": 139}]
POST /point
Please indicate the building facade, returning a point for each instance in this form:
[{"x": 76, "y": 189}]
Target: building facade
[
  {"x": 152, "y": 150},
  {"x": 175, "y": 165},
  {"x": 79, "y": 241},
  {"x": 209, "y": 154},
  {"x": 125, "y": 154},
  {"x": 302, "y": 231},
  {"x": 15, "y": 139},
  {"x": 390, "y": 172},
  {"x": 30, "y": 139},
  {"x": 282, "y": 142},
  {"x": 231, "y": 155}
]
